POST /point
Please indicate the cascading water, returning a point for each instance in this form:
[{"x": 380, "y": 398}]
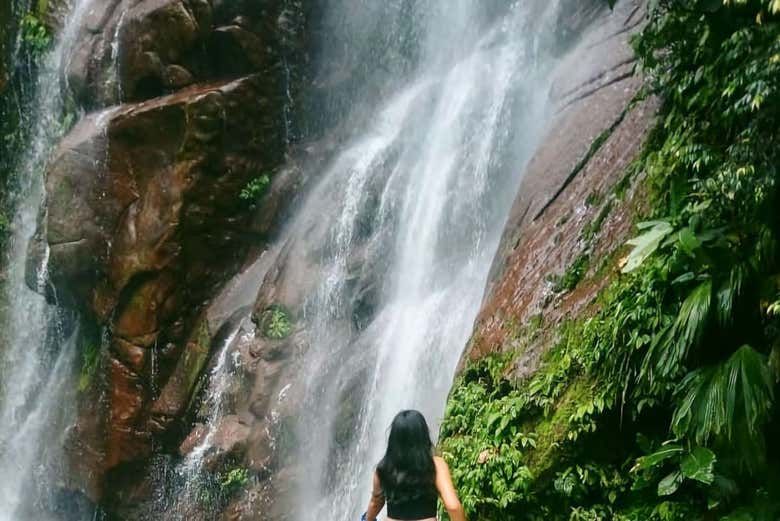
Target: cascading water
[
  {"x": 37, "y": 364},
  {"x": 447, "y": 100},
  {"x": 417, "y": 202}
]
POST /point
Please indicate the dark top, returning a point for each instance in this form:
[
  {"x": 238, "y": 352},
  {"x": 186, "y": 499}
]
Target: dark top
[{"x": 420, "y": 505}]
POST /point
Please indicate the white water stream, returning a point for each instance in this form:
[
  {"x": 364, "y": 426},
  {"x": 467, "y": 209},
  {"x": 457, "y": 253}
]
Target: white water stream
[
  {"x": 414, "y": 204},
  {"x": 447, "y": 101},
  {"x": 39, "y": 352}
]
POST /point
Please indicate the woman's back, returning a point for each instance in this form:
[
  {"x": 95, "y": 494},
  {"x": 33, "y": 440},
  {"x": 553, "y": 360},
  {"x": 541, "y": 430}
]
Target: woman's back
[
  {"x": 410, "y": 479},
  {"x": 411, "y": 503}
]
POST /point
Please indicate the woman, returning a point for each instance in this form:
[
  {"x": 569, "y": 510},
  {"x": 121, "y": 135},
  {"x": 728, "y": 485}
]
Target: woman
[{"x": 410, "y": 478}]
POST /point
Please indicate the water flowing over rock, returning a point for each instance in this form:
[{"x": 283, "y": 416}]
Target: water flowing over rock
[
  {"x": 369, "y": 272},
  {"x": 143, "y": 222},
  {"x": 277, "y": 222},
  {"x": 600, "y": 125}
]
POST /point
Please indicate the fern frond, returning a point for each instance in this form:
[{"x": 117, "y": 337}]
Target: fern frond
[
  {"x": 728, "y": 293},
  {"x": 671, "y": 345},
  {"x": 729, "y": 403},
  {"x": 765, "y": 252}
]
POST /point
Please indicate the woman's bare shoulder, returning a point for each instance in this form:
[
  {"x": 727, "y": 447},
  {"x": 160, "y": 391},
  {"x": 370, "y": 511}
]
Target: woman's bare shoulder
[{"x": 440, "y": 462}]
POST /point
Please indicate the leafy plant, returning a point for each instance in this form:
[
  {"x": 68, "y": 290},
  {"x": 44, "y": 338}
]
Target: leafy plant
[
  {"x": 233, "y": 481},
  {"x": 646, "y": 244},
  {"x": 679, "y": 464},
  {"x": 728, "y": 403},
  {"x": 90, "y": 360},
  {"x": 573, "y": 275},
  {"x": 275, "y": 323},
  {"x": 35, "y": 35},
  {"x": 255, "y": 188}
]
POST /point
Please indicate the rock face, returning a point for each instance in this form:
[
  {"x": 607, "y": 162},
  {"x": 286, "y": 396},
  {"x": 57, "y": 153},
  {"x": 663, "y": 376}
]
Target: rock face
[
  {"x": 131, "y": 50},
  {"x": 143, "y": 221},
  {"x": 576, "y": 202}
]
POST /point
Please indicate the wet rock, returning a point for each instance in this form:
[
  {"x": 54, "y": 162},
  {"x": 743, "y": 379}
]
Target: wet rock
[
  {"x": 127, "y": 437},
  {"x": 134, "y": 51},
  {"x": 238, "y": 50},
  {"x": 228, "y": 441},
  {"x": 193, "y": 439},
  {"x": 177, "y": 77},
  {"x": 595, "y": 135},
  {"x": 131, "y": 355},
  {"x": 230, "y": 436},
  {"x": 142, "y": 225},
  {"x": 261, "y": 454}
]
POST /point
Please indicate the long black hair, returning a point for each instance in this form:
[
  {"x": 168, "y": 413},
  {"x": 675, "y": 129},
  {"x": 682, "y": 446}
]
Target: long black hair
[{"x": 407, "y": 471}]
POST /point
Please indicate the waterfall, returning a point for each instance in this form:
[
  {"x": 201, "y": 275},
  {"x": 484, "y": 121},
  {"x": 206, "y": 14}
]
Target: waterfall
[
  {"x": 436, "y": 108},
  {"x": 38, "y": 358},
  {"x": 416, "y": 203}
]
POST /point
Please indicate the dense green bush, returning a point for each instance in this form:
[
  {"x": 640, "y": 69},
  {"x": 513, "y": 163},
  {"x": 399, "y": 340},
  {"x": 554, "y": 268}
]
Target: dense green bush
[{"x": 662, "y": 404}]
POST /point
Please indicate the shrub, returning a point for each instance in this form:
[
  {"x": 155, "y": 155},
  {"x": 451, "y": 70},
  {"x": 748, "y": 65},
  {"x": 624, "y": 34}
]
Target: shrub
[{"x": 255, "y": 188}]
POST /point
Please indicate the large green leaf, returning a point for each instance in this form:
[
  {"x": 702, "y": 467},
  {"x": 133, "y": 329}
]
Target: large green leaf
[
  {"x": 730, "y": 402},
  {"x": 774, "y": 363},
  {"x": 729, "y": 291},
  {"x": 692, "y": 319},
  {"x": 646, "y": 244},
  {"x": 671, "y": 345},
  {"x": 688, "y": 241},
  {"x": 699, "y": 465},
  {"x": 670, "y": 484},
  {"x": 654, "y": 459}
]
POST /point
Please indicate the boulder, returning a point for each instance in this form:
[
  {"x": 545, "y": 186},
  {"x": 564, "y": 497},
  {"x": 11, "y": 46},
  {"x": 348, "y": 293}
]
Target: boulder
[
  {"x": 228, "y": 440},
  {"x": 132, "y": 50},
  {"x": 143, "y": 222}
]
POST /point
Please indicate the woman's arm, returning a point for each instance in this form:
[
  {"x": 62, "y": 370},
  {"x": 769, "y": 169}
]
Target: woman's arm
[
  {"x": 449, "y": 497},
  {"x": 377, "y": 501}
]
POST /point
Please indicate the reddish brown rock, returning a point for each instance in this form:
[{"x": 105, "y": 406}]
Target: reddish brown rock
[
  {"x": 569, "y": 185},
  {"x": 193, "y": 439},
  {"x": 143, "y": 223},
  {"x": 132, "y": 50},
  {"x": 127, "y": 438}
]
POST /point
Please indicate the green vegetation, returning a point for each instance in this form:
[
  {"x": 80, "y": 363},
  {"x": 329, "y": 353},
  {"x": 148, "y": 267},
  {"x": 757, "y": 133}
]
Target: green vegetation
[
  {"x": 5, "y": 229},
  {"x": 661, "y": 405},
  {"x": 255, "y": 188},
  {"x": 215, "y": 490},
  {"x": 275, "y": 323},
  {"x": 90, "y": 360},
  {"x": 35, "y": 36},
  {"x": 594, "y": 227},
  {"x": 233, "y": 480},
  {"x": 572, "y": 276}
]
